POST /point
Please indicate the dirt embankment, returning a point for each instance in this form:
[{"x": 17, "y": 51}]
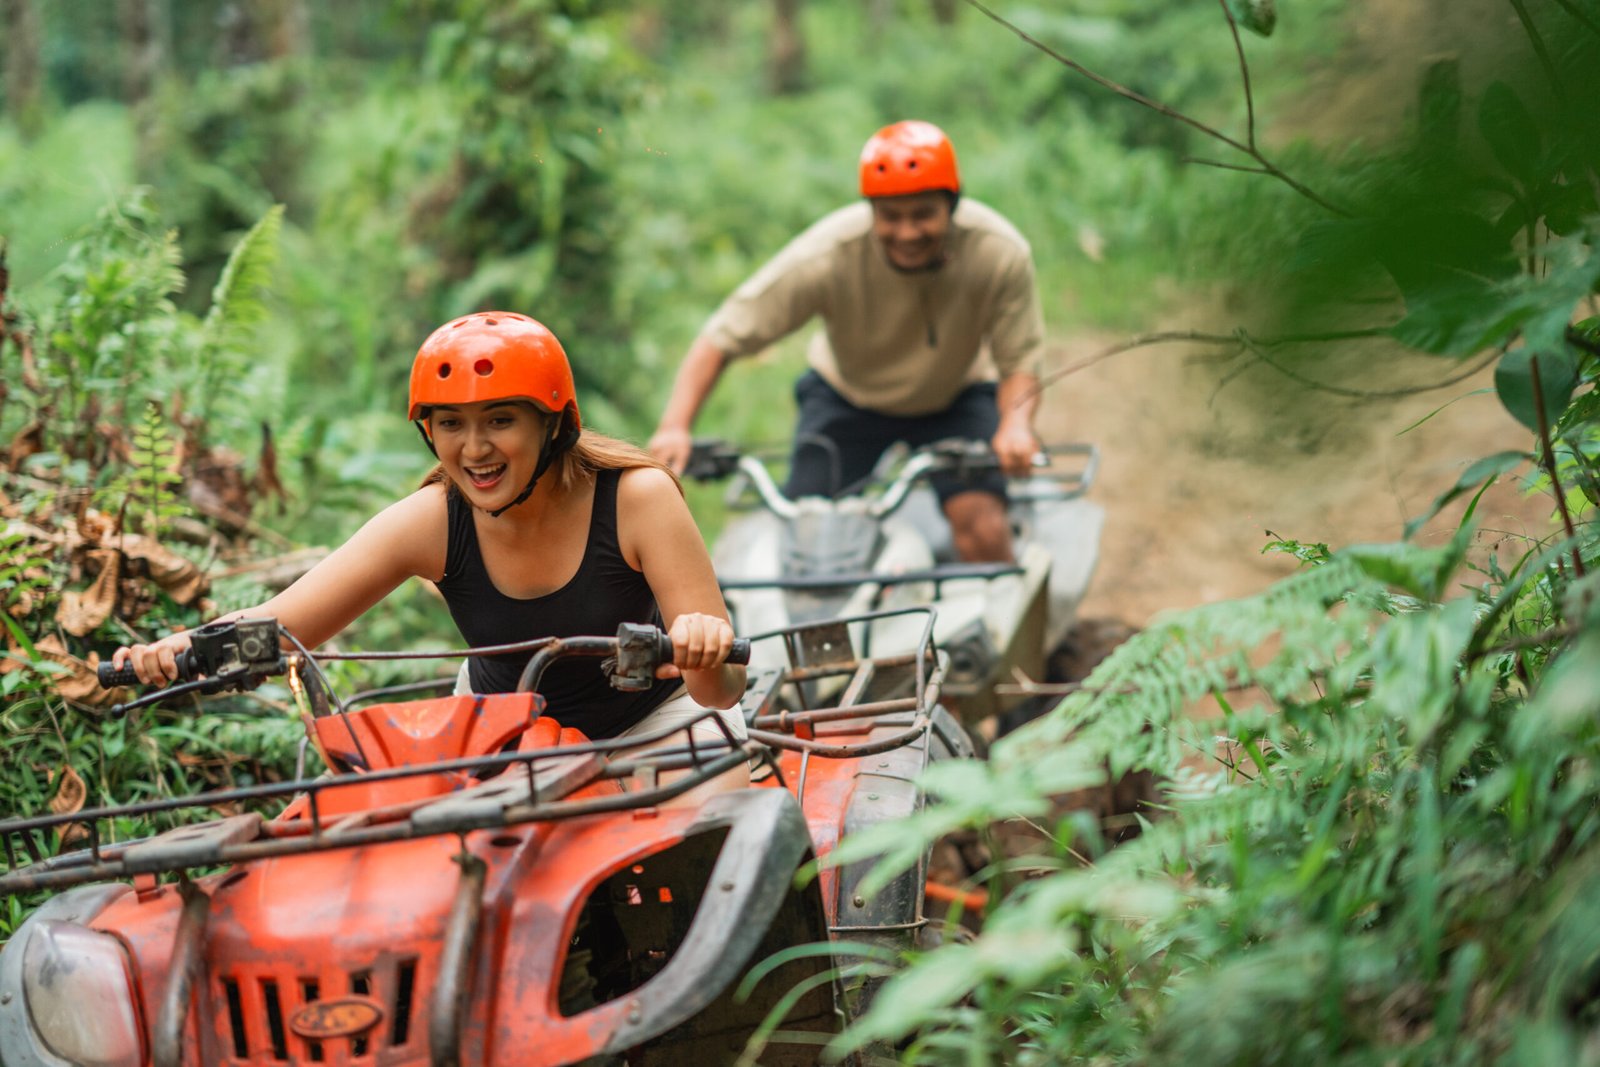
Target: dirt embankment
[{"x": 1198, "y": 462}]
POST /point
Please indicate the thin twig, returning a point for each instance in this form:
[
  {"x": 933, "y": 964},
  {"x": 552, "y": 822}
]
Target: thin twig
[
  {"x": 1549, "y": 459},
  {"x": 1242, "y": 340},
  {"x": 1244, "y": 75},
  {"x": 1365, "y": 394},
  {"x": 1551, "y": 636},
  {"x": 1577, "y": 13},
  {"x": 1162, "y": 109},
  {"x": 1197, "y": 161},
  {"x": 1540, "y": 50}
]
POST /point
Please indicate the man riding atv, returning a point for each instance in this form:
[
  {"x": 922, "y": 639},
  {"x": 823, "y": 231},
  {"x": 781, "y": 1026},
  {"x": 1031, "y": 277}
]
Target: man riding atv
[{"x": 932, "y": 330}]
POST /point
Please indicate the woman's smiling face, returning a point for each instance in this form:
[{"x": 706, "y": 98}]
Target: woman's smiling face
[{"x": 490, "y": 449}]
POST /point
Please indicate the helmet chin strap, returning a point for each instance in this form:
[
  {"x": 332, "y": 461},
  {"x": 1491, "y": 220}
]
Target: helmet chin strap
[
  {"x": 561, "y": 439},
  {"x": 552, "y": 450}
]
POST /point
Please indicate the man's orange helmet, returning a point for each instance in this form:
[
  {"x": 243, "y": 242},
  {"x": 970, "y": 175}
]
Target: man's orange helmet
[
  {"x": 908, "y": 157},
  {"x": 493, "y": 355}
]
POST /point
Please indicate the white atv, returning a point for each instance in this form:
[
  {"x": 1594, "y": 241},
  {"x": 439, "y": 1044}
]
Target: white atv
[{"x": 885, "y": 545}]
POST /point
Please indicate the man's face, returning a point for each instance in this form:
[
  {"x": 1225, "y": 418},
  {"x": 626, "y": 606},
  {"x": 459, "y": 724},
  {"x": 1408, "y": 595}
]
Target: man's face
[{"x": 912, "y": 228}]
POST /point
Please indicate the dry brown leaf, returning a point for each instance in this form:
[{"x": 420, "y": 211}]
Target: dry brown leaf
[
  {"x": 182, "y": 580},
  {"x": 68, "y": 800},
  {"x": 80, "y": 685},
  {"x": 70, "y": 791},
  {"x": 95, "y": 528},
  {"x": 217, "y": 486},
  {"x": 267, "y": 482},
  {"x": 28, "y": 440},
  {"x": 82, "y": 611}
]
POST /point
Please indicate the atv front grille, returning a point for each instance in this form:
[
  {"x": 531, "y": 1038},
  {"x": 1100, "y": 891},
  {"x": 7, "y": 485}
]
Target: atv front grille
[{"x": 260, "y": 1017}]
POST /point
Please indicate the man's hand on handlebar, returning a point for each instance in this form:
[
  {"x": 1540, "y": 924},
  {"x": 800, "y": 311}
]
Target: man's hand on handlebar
[
  {"x": 672, "y": 447},
  {"x": 155, "y": 663},
  {"x": 1015, "y": 447}
]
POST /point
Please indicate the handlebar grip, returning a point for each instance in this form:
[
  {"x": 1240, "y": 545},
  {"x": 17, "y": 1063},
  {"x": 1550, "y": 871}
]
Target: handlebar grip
[
  {"x": 739, "y": 653},
  {"x": 112, "y": 677}
]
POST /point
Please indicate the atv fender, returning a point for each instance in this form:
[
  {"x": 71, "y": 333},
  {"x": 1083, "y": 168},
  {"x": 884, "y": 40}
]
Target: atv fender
[
  {"x": 18, "y": 1045},
  {"x": 766, "y": 842}
]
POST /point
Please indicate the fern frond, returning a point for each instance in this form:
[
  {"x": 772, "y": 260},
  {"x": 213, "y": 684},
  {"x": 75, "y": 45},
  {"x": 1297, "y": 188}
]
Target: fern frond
[{"x": 236, "y": 301}]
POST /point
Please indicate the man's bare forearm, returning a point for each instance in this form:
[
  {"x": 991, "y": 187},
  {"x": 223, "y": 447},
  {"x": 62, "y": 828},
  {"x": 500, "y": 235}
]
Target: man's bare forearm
[
  {"x": 1018, "y": 398},
  {"x": 696, "y": 377}
]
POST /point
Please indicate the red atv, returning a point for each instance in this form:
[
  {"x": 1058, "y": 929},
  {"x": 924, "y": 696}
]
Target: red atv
[{"x": 472, "y": 883}]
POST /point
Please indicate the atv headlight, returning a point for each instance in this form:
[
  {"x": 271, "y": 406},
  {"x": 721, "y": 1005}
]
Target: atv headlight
[{"x": 80, "y": 996}]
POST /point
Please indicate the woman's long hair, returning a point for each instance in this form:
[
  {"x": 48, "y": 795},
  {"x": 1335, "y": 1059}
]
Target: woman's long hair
[{"x": 590, "y": 454}]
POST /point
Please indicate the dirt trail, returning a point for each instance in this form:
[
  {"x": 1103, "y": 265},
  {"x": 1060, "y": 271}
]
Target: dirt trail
[{"x": 1193, "y": 474}]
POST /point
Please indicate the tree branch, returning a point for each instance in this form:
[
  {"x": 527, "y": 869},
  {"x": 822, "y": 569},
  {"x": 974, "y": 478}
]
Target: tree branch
[
  {"x": 1244, "y": 76},
  {"x": 1540, "y": 50},
  {"x": 1549, "y": 460},
  {"x": 1242, "y": 340},
  {"x": 1223, "y": 166},
  {"x": 1577, "y": 13},
  {"x": 1249, "y": 149},
  {"x": 1257, "y": 348}
]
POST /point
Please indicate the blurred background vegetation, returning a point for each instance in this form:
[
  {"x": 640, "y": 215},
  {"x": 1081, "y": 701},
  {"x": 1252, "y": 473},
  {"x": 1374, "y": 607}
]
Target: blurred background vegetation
[{"x": 228, "y": 225}]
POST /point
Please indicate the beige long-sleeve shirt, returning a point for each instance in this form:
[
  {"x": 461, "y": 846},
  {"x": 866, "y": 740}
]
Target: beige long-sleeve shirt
[{"x": 896, "y": 342}]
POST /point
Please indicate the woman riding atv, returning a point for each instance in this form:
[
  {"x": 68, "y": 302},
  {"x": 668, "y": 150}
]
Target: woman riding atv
[{"x": 529, "y": 526}]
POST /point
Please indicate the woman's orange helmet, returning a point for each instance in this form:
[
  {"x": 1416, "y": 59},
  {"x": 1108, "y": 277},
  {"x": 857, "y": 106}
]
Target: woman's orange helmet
[
  {"x": 909, "y": 157},
  {"x": 493, "y": 355}
]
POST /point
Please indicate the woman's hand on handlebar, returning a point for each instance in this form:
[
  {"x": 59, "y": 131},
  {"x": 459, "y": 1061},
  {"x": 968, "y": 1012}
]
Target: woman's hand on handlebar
[
  {"x": 699, "y": 643},
  {"x": 155, "y": 663}
]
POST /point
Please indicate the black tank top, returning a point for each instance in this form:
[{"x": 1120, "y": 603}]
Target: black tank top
[{"x": 604, "y": 593}]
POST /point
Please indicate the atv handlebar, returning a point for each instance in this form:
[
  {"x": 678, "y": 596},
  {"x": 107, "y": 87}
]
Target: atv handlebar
[
  {"x": 239, "y": 654},
  {"x": 712, "y": 460},
  {"x": 635, "y": 653}
]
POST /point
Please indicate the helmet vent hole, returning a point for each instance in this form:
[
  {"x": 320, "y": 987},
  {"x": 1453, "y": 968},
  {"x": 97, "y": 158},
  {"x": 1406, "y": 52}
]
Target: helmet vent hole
[
  {"x": 912, "y": 165},
  {"x": 491, "y": 322},
  {"x": 484, "y": 367},
  {"x": 460, "y": 324},
  {"x": 444, "y": 370}
]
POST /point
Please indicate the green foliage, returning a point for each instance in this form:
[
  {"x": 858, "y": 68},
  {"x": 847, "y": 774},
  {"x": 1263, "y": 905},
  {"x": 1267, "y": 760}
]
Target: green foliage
[
  {"x": 1375, "y": 869},
  {"x": 1378, "y": 853},
  {"x": 146, "y": 494}
]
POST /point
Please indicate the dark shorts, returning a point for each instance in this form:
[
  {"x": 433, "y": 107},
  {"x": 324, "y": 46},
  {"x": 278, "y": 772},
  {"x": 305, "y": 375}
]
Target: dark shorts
[{"x": 836, "y": 444}]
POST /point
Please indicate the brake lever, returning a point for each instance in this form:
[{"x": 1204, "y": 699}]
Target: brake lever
[{"x": 200, "y": 685}]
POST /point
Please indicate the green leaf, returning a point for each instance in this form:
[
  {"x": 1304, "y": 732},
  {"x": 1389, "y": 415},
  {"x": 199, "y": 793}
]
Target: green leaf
[
  {"x": 236, "y": 301},
  {"x": 1568, "y": 697},
  {"x": 1566, "y": 206},
  {"x": 1513, "y": 381},
  {"x": 1260, "y": 17},
  {"x": 1485, "y": 470},
  {"x": 1511, "y": 130},
  {"x": 1422, "y": 572}
]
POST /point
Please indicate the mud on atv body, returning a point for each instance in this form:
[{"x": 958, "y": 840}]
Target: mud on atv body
[
  {"x": 478, "y": 885},
  {"x": 886, "y": 544}
]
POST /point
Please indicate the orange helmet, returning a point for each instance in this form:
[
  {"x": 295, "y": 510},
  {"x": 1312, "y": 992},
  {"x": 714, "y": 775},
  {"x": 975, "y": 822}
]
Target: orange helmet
[
  {"x": 908, "y": 157},
  {"x": 493, "y": 355}
]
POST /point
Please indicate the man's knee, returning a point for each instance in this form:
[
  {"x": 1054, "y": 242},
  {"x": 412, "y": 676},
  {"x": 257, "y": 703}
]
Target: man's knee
[{"x": 979, "y": 527}]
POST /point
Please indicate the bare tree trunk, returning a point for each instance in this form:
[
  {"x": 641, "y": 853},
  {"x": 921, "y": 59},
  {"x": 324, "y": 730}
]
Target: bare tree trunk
[
  {"x": 878, "y": 15},
  {"x": 255, "y": 30},
  {"x": 146, "y": 43},
  {"x": 22, "y": 76},
  {"x": 290, "y": 33},
  {"x": 788, "y": 48}
]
